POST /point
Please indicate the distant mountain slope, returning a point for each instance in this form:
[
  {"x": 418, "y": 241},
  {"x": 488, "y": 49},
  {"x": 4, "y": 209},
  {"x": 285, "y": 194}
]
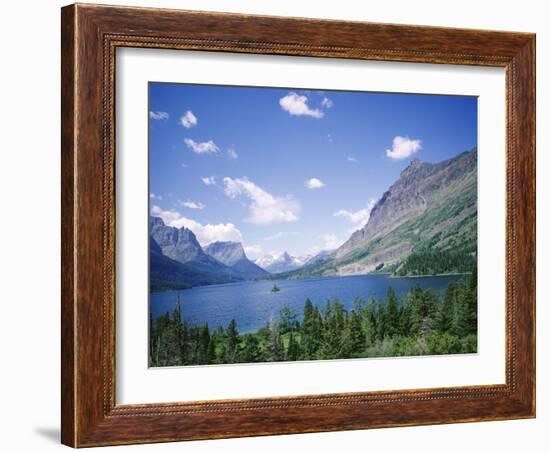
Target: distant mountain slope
[
  {"x": 168, "y": 274},
  {"x": 232, "y": 254},
  {"x": 319, "y": 257},
  {"x": 281, "y": 263},
  {"x": 179, "y": 244},
  {"x": 429, "y": 213},
  {"x": 178, "y": 261}
]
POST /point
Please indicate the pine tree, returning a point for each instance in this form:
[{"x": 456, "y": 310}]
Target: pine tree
[
  {"x": 392, "y": 314},
  {"x": 287, "y": 320},
  {"x": 181, "y": 332},
  {"x": 232, "y": 342},
  {"x": 444, "y": 317},
  {"x": 418, "y": 311},
  {"x": 405, "y": 321},
  {"x": 346, "y": 347},
  {"x": 380, "y": 322},
  {"x": 369, "y": 321},
  {"x": 275, "y": 346},
  {"x": 251, "y": 351},
  {"x": 293, "y": 349},
  {"x": 333, "y": 329},
  {"x": 308, "y": 331},
  {"x": 465, "y": 315},
  {"x": 212, "y": 358},
  {"x": 151, "y": 337},
  {"x": 356, "y": 333},
  {"x": 204, "y": 345}
]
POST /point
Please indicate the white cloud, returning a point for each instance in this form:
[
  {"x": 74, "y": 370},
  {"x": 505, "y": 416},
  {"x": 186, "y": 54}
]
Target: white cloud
[
  {"x": 253, "y": 252},
  {"x": 209, "y": 180},
  {"x": 232, "y": 153},
  {"x": 358, "y": 218},
  {"x": 208, "y": 233},
  {"x": 153, "y": 196},
  {"x": 279, "y": 235},
  {"x": 193, "y": 205},
  {"x": 205, "y": 147},
  {"x": 264, "y": 208},
  {"x": 188, "y": 120},
  {"x": 296, "y": 105},
  {"x": 403, "y": 147},
  {"x": 314, "y": 183},
  {"x": 330, "y": 241},
  {"x": 352, "y": 159},
  {"x": 326, "y": 103},
  {"x": 159, "y": 115}
]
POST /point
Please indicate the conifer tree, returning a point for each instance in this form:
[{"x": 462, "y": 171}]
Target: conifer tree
[
  {"x": 356, "y": 333},
  {"x": 275, "y": 346},
  {"x": 212, "y": 358},
  {"x": 369, "y": 321},
  {"x": 444, "y": 318},
  {"x": 251, "y": 352},
  {"x": 293, "y": 349},
  {"x": 381, "y": 322},
  {"x": 204, "y": 345},
  {"x": 333, "y": 328},
  {"x": 232, "y": 342},
  {"x": 308, "y": 331},
  {"x": 287, "y": 320},
  {"x": 392, "y": 314}
]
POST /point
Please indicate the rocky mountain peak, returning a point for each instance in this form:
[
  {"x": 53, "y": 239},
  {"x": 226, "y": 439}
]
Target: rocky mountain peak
[
  {"x": 178, "y": 244},
  {"x": 226, "y": 252},
  {"x": 411, "y": 167},
  {"x": 279, "y": 263},
  {"x": 156, "y": 221},
  {"x": 232, "y": 254},
  {"x": 409, "y": 196}
]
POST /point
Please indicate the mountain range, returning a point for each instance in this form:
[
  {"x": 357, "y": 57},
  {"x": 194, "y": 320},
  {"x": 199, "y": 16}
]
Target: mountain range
[
  {"x": 177, "y": 260},
  {"x": 425, "y": 223},
  {"x": 281, "y": 263},
  {"x": 232, "y": 254},
  {"x": 278, "y": 263}
]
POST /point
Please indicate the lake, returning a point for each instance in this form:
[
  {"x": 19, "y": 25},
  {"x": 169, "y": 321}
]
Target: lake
[{"x": 252, "y": 304}]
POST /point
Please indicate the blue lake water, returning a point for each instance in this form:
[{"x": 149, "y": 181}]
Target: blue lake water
[{"x": 252, "y": 304}]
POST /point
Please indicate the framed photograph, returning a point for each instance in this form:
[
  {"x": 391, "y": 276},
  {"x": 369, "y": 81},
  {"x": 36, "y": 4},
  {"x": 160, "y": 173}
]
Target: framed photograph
[{"x": 281, "y": 225}]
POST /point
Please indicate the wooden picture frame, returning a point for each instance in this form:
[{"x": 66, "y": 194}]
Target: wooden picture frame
[{"x": 90, "y": 36}]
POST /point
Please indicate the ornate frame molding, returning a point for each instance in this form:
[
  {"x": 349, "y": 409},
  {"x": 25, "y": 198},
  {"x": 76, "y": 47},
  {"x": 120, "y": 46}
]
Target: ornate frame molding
[{"x": 90, "y": 37}]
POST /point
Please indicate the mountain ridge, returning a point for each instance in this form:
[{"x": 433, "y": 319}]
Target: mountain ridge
[
  {"x": 279, "y": 263},
  {"x": 168, "y": 274},
  {"x": 233, "y": 255},
  {"x": 425, "y": 223},
  {"x": 177, "y": 260},
  {"x": 431, "y": 207}
]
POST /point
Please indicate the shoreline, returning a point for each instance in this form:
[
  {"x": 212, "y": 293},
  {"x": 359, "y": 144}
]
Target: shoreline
[
  {"x": 390, "y": 275},
  {"x": 431, "y": 276}
]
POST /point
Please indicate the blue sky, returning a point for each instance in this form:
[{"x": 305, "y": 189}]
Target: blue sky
[{"x": 289, "y": 169}]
